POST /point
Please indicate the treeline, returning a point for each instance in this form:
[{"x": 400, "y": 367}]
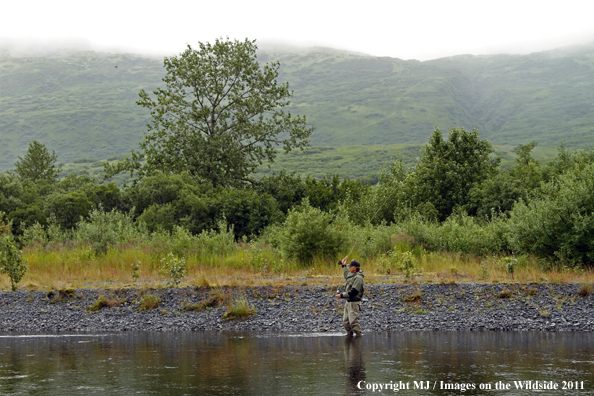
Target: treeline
[{"x": 455, "y": 198}]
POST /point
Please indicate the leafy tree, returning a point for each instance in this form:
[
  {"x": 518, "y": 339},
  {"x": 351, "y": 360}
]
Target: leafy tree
[
  {"x": 378, "y": 204},
  {"x": 38, "y": 164},
  {"x": 287, "y": 189},
  {"x": 246, "y": 210},
  {"x": 566, "y": 160},
  {"x": 5, "y": 226},
  {"x": 495, "y": 195},
  {"x": 26, "y": 216},
  {"x": 448, "y": 169},
  {"x": 527, "y": 169},
  {"x": 325, "y": 193},
  {"x": 11, "y": 192},
  {"x": 559, "y": 224},
  {"x": 68, "y": 208},
  {"x": 219, "y": 118}
]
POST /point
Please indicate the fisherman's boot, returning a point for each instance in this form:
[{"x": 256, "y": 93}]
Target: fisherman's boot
[
  {"x": 347, "y": 324},
  {"x": 354, "y": 319}
]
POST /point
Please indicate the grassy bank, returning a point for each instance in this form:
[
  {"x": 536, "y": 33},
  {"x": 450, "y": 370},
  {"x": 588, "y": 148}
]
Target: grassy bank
[{"x": 59, "y": 266}]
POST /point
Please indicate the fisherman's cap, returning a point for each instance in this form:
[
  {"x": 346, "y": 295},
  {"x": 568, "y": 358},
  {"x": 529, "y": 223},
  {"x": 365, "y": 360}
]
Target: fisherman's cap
[{"x": 355, "y": 263}]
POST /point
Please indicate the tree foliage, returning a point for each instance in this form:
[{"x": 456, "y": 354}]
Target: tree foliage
[
  {"x": 448, "y": 169},
  {"x": 38, "y": 164},
  {"x": 11, "y": 262},
  {"x": 559, "y": 224},
  {"x": 309, "y": 232},
  {"x": 219, "y": 117}
]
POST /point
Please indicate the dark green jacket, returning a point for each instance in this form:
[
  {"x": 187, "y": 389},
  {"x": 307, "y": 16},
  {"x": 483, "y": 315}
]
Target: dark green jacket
[{"x": 354, "y": 287}]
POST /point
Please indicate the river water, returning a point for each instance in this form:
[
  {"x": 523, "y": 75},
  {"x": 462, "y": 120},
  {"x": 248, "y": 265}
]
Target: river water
[{"x": 214, "y": 363}]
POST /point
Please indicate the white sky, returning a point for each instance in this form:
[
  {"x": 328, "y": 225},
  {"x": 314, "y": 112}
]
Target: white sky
[{"x": 407, "y": 29}]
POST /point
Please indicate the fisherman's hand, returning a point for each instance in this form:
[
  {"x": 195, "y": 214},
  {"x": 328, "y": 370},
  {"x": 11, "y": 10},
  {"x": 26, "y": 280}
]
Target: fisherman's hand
[{"x": 338, "y": 296}]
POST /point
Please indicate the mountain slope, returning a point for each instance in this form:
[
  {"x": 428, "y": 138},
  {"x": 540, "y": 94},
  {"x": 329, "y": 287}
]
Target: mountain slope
[{"x": 83, "y": 104}]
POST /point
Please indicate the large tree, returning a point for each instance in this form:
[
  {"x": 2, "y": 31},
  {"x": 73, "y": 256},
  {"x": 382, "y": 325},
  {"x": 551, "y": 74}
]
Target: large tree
[
  {"x": 448, "y": 169},
  {"x": 219, "y": 117},
  {"x": 38, "y": 164}
]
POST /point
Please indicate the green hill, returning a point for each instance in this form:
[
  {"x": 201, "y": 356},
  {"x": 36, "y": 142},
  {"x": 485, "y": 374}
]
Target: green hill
[{"x": 83, "y": 104}]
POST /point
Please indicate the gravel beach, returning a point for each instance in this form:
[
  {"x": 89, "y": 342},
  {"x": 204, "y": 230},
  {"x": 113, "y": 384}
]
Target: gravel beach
[{"x": 389, "y": 307}]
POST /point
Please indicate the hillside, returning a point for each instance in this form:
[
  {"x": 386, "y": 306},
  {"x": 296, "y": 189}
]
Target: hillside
[
  {"x": 512, "y": 99},
  {"x": 82, "y": 104}
]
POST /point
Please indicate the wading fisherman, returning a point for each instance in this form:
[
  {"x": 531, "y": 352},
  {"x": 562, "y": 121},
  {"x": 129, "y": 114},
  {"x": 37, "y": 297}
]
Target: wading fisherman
[{"x": 353, "y": 294}]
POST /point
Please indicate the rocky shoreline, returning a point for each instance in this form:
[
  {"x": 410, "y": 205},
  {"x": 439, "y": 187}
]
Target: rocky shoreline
[{"x": 389, "y": 307}]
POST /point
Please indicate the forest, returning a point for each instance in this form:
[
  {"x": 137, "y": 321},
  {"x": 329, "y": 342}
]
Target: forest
[
  {"x": 456, "y": 208},
  {"x": 193, "y": 210}
]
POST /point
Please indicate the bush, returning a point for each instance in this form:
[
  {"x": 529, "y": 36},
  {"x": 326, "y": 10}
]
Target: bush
[
  {"x": 159, "y": 217},
  {"x": 218, "y": 242},
  {"x": 308, "y": 232},
  {"x": 378, "y": 204},
  {"x": 558, "y": 225},
  {"x": 249, "y": 211},
  {"x": 11, "y": 262},
  {"x": 5, "y": 227},
  {"x": 35, "y": 235},
  {"x": 175, "y": 267},
  {"x": 69, "y": 208},
  {"x": 372, "y": 241},
  {"x": 461, "y": 233},
  {"x": 105, "y": 229}
]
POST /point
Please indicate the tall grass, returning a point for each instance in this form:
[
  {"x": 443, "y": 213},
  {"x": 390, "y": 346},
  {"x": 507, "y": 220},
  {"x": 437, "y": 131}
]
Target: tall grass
[
  {"x": 259, "y": 264},
  {"x": 458, "y": 250}
]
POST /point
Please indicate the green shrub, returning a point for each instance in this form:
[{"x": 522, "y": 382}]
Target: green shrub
[
  {"x": 221, "y": 241},
  {"x": 5, "y": 227},
  {"x": 378, "y": 204},
  {"x": 308, "y": 232},
  {"x": 461, "y": 233},
  {"x": 11, "y": 262},
  {"x": 371, "y": 240},
  {"x": 34, "y": 235},
  {"x": 558, "y": 225},
  {"x": 68, "y": 208},
  {"x": 105, "y": 229},
  {"x": 182, "y": 241},
  {"x": 159, "y": 217},
  {"x": 175, "y": 267}
]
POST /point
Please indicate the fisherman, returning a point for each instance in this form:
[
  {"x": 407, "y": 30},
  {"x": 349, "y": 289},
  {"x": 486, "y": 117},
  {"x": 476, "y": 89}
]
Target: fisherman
[{"x": 353, "y": 293}]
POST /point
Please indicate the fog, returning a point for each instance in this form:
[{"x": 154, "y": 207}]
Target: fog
[{"x": 36, "y": 47}]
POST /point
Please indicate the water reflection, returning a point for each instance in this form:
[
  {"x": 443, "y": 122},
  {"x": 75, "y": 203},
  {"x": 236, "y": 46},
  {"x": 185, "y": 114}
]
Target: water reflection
[
  {"x": 212, "y": 363},
  {"x": 354, "y": 364}
]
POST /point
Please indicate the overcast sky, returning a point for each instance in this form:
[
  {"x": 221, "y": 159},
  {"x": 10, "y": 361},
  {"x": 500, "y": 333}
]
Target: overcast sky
[{"x": 411, "y": 29}]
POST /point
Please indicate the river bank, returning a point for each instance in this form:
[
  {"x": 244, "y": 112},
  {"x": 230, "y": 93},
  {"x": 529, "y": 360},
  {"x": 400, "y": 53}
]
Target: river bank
[{"x": 393, "y": 307}]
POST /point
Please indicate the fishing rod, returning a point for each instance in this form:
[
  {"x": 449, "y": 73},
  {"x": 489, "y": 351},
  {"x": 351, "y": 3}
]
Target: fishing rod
[
  {"x": 344, "y": 261},
  {"x": 377, "y": 210}
]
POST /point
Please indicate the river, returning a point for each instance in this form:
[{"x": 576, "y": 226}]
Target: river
[{"x": 249, "y": 363}]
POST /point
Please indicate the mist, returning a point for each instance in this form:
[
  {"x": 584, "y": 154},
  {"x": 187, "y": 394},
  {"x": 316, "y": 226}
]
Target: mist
[{"x": 36, "y": 47}]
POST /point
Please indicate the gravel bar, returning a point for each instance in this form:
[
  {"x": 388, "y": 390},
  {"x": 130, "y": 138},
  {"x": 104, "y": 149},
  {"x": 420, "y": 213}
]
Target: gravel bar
[{"x": 389, "y": 307}]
